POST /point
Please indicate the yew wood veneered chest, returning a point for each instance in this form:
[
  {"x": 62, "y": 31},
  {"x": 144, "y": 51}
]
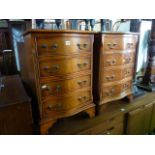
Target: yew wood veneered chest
[
  {"x": 114, "y": 63},
  {"x": 58, "y": 66}
]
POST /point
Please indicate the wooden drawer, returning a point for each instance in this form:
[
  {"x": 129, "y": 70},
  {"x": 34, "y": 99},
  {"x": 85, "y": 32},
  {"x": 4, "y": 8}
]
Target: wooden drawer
[
  {"x": 63, "y": 45},
  {"x": 118, "y": 42},
  {"x": 118, "y": 58},
  {"x": 60, "y": 104},
  {"x": 111, "y": 126},
  {"x": 116, "y": 89},
  {"x": 64, "y": 86},
  {"x": 114, "y": 130},
  {"x": 54, "y": 66},
  {"x": 111, "y": 74},
  {"x": 115, "y": 120}
]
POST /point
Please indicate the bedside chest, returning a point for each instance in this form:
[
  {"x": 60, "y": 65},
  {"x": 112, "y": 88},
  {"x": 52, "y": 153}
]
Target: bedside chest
[
  {"x": 15, "y": 107},
  {"x": 59, "y": 73},
  {"x": 114, "y": 55}
]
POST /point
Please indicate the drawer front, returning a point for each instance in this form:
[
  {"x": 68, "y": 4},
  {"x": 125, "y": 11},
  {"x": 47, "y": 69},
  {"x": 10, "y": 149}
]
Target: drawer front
[
  {"x": 118, "y": 58},
  {"x": 111, "y": 91},
  {"x": 61, "y": 104},
  {"x": 62, "y": 66},
  {"x": 116, "y": 89},
  {"x": 114, "y": 130},
  {"x": 63, "y": 45},
  {"x": 113, "y": 125},
  {"x": 115, "y": 120},
  {"x": 64, "y": 86},
  {"x": 126, "y": 86},
  {"x": 113, "y": 42},
  {"x": 117, "y": 73}
]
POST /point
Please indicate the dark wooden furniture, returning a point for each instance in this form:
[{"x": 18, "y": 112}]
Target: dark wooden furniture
[
  {"x": 8, "y": 65},
  {"x": 1, "y": 61},
  {"x": 15, "y": 108},
  {"x": 5, "y": 39},
  {"x": 148, "y": 81},
  {"x": 59, "y": 73},
  {"x": 116, "y": 118},
  {"x": 114, "y": 55}
]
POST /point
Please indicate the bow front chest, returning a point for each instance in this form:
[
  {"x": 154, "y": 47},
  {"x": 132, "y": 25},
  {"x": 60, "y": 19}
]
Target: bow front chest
[{"x": 59, "y": 73}]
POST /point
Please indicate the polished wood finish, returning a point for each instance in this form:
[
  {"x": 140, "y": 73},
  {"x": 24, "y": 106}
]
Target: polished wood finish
[
  {"x": 15, "y": 108},
  {"x": 60, "y": 104},
  {"x": 114, "y": 90},
  {"x": 53, "y": 45},
  {"x": 114, "y": 55},
  {"x": 117, "y": 42},
  {"x": 58, "y": 73},
  {"x": 44, "y": 127},
  {"x": 90, "y": 112},
  {"x": 111, "y": 126},
  {"x": 139, "y": 120},
  {"x": 112, "y": 74},
  {"x": 112, "y": 119},
  {"x": 60, "y": 66},
  {"x": 62, "y": 86}
]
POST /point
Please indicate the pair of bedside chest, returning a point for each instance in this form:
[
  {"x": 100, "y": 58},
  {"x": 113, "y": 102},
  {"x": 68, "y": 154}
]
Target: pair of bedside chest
[{"x": 68, "y": 72}]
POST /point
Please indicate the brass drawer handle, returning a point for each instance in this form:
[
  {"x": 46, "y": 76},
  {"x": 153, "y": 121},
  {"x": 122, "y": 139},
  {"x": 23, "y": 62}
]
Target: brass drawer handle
[
  {"x": 130, "y": 45},
  {"x": 50, "y": 106},
  {"x": 82, "y": 98},
  {"x": 84, "y": 45},
  {"x": 125, "y": 86},
  {"x": 127, "y": 60},
  {"x": 46, "y": 87},
  {"x": 108, "y": 62},
  {"x": 54, "y": 46},
  {"x": 112, "y": 45},
  {"x": 109, "y": 78},
  {"x": 112, "y": 77},
  {"x": 111, "y": 62},
  {"x": 81, "y": 46},
  {"x": 110, "y": 129},
  {"x": 43, "y": 46},
  {"x": 127, "y": 72},
  {"x": 111, "y": 119},
  {"x": 82, "y": 82},
  {"x": 82, "y": 65},
  {"x": 110, "y": 92},
  {"x": 54, "y": 68}
]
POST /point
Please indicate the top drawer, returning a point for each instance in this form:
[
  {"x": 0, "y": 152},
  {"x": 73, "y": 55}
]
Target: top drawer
[
  {"x": 118, "y": 42},
  {"x": 63, "y": 45}
]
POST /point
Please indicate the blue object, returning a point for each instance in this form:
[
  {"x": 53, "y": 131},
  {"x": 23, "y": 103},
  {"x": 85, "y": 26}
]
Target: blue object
[{"x": 40, "y": 23}]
